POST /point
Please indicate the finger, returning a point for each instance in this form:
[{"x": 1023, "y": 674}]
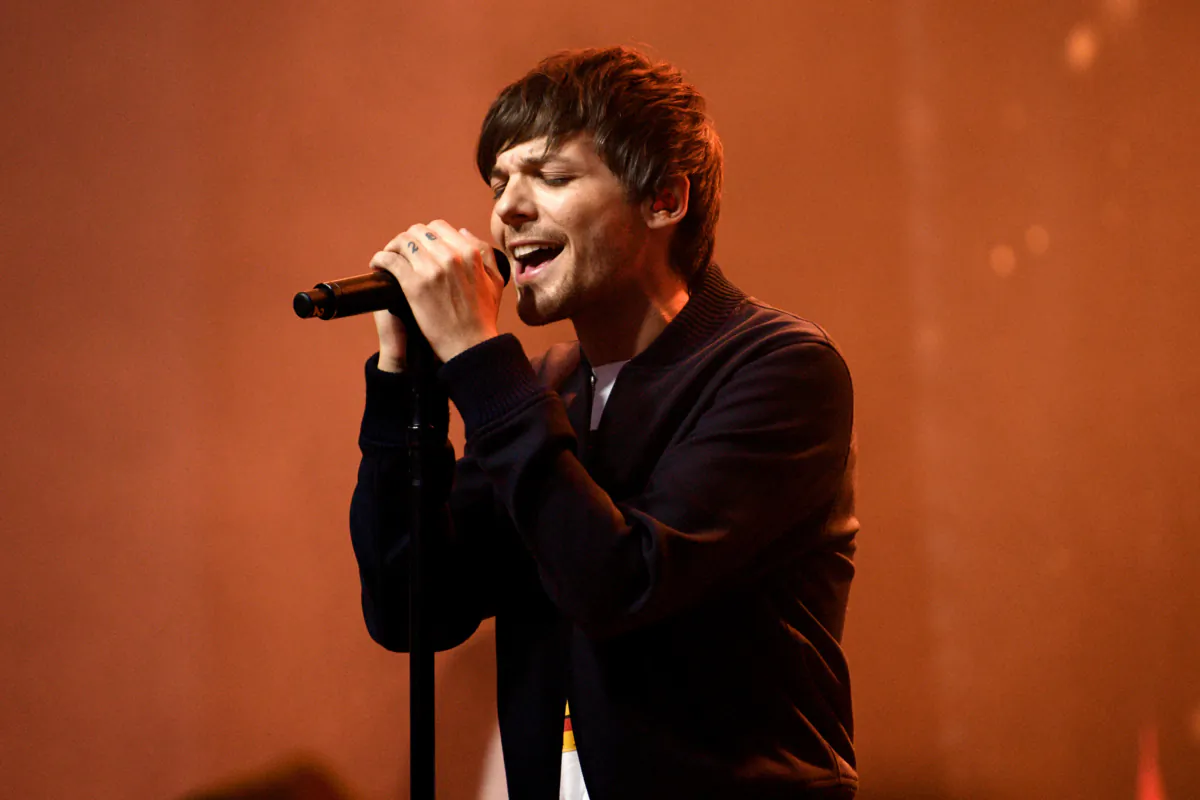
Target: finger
[
  {"x": 406, "y": 245},
  {"x": 470, "y": 238},
  {"x": 430, "y": 253},
  {"x": 396, "y": 245},
  {"x": 488, "y": 254},
  {"x": 443, "y": 231},
  {"x": 453, "y": 240},
  {"x": 390, "y": 261}
]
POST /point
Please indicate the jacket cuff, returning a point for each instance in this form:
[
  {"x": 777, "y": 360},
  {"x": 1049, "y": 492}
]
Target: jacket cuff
[
  {"x": 490, "y": 380},
  {"x": 389, "y": 403}
]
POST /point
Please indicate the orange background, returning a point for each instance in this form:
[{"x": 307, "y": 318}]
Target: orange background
[{"x": 991, "y": 206}]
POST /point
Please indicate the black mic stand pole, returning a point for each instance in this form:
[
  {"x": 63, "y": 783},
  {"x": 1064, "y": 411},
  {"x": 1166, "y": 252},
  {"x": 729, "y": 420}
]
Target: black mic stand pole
[{"x": 426, "y": 436}]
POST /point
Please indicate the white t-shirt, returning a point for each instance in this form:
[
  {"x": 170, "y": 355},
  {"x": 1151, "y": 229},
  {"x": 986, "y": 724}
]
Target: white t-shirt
[{"x": 570, "y": 784}]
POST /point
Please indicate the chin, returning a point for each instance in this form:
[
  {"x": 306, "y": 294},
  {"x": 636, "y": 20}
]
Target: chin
[{"x": 535, "y": 310}]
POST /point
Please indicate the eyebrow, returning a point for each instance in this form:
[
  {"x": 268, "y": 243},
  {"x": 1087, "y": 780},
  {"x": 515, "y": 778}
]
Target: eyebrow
[{"x": 530, "y": 162}]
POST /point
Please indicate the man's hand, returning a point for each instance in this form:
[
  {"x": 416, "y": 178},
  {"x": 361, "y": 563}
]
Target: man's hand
[
  {"x": 452, "y": 284},
  {"x": 393, "y": 340}
]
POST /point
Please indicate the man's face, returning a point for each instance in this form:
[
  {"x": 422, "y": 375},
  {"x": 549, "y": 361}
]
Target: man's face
[{"x": 565, "y": 222}]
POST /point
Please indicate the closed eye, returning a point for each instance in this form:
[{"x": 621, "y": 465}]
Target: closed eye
[{"x": 549, "y": 180}]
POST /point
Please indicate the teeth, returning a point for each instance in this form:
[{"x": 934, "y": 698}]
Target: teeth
[{"x": 520, "y": 251}]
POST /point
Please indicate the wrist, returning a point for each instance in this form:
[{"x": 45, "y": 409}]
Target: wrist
[
  {"x": 455, "y": 348},
  {"x": 391, "y": 362}
]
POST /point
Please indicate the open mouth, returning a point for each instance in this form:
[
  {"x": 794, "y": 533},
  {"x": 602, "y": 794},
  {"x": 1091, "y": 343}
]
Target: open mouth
[{"x": 533, "y": 258}]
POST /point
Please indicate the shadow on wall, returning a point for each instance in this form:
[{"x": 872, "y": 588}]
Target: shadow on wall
[{"x": 300, "y": 778}]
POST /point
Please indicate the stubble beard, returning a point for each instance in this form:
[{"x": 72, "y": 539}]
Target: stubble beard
[
  {"x": 535, "y": 309},
  {"x": 580, "y": 284},
  {"x": 541, "y": 303}
]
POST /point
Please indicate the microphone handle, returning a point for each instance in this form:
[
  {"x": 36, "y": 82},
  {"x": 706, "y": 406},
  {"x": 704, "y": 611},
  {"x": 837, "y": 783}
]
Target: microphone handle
[
  {"x": 345, "y": 297},
  {"x": 361, "y": 294}
]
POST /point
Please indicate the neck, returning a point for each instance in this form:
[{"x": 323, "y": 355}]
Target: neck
[{"x": 632, "y": 318}]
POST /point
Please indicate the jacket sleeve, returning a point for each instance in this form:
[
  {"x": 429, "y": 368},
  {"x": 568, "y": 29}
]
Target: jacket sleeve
[
  {"x": 766, "y": 459},
  {"x": 462, "y": 526}
]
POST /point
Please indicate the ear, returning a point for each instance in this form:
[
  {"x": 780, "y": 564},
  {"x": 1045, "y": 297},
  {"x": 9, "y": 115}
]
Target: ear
[{"x": 669, "y": 205}]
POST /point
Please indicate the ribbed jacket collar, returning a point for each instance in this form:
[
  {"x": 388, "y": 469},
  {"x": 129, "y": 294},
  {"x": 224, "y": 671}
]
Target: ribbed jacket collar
[{"x": 713, "y": 298}]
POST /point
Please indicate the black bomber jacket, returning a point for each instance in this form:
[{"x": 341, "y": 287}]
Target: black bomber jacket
[{"x": 680, "y": 574}]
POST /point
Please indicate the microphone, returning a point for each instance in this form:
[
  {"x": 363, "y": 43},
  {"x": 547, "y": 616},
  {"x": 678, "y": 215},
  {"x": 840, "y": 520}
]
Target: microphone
[{"x": 360, "y": 294}]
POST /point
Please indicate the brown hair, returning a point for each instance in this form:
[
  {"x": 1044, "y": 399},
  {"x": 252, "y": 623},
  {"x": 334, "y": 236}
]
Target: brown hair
[{"x": 648, "y": 125}]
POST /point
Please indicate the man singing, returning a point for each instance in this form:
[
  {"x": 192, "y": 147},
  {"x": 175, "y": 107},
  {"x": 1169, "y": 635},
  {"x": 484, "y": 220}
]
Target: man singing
[{"x": 659, "y": 515}]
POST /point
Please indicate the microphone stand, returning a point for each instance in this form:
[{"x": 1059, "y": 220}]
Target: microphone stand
[{"x": 425, "y": 437}]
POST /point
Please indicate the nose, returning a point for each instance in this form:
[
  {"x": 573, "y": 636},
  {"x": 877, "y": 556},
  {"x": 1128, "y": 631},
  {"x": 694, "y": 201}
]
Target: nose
[{"x": 515, "y": 205}]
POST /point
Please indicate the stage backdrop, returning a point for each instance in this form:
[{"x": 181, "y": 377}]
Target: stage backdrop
[{"x": 990, "y": 206}]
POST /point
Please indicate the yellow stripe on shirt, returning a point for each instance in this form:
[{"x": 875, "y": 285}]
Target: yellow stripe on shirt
[{"x": 568, "y": 731}]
